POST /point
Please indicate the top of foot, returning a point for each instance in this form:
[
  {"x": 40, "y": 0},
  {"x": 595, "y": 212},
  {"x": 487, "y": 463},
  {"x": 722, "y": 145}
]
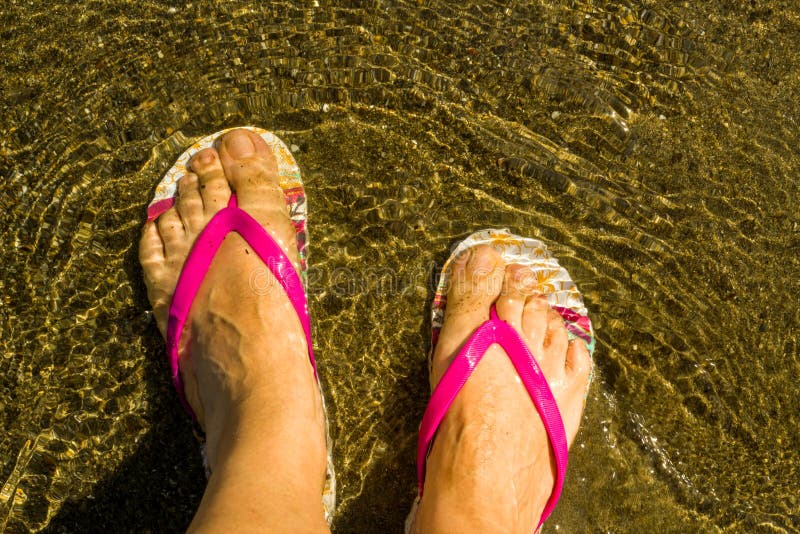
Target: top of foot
[
  {"x": 242, "y": 334},
  {"x": 491, "y": 463}
]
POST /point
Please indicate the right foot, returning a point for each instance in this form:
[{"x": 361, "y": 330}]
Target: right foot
[
  {"x": 243, "y": 355},
  {"x": 491, "y": 467}
]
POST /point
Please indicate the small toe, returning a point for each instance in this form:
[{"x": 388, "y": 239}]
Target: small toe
[
  {"x": 151, "y": 246},
  {"x": 579, "y": 360}
]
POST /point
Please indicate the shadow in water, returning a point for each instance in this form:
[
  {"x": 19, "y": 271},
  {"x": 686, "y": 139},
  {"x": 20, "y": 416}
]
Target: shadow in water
[
  {"x": 157, "y": 489},
  {"x": 388, "y": 490},
  {"x": 390, "y": 486}
]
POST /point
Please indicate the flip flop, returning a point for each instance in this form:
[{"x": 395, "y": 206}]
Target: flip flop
[
  {"x": 233, "y": 219},
  {"x": 562, "y": 294}
]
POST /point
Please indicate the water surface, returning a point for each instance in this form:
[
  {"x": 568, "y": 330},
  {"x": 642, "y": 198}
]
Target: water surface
[{"x": 651, "y": 144}]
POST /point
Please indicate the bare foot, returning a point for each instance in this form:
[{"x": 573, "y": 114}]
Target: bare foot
[
  {"x": 491, "y": 467},
  {"x": 243, "y": 355}
]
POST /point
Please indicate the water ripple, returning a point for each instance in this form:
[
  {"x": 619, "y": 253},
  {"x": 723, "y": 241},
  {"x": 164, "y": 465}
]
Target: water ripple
[{"x": 652, "y": 147}]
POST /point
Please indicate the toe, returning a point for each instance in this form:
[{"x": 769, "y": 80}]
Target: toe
[
  {"x": 172, "y": 231},
  {"x": 252, "y": 170},
  {"x": 475, "y": 283},
  {"x": 475, "y": 280},
  {"x": 579, "y": 361},
  {"x": 555, "y": 341},
  {"x": 577, "y": 373},
  {"x": 518, "y": 284},
  {"x": 190, "y": 204},
  {"x": 152, "y": 256},
  {"x": 243, "y": 148},
  {"x": 151, "y": 246},
  {"x": 214, "y": 188},
  {"x": 534, "y": 322}
]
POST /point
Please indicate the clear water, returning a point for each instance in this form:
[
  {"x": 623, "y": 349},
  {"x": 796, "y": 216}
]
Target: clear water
[{"x": 653, "y": 145}]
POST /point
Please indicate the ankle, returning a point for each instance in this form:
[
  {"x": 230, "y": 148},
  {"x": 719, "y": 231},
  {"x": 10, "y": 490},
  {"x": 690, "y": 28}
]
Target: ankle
[
  {"x": 285, "y": 409},
  {"x": 261, "y": 462},
  {"x": 267, "y": 432}
]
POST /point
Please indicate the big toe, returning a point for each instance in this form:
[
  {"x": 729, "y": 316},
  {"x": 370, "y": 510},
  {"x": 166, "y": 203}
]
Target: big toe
[
  {"x": 475, "y": 282},
  {"x": 252, "y": 170}
]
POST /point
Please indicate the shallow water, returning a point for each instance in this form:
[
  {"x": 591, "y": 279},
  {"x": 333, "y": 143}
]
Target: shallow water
[{"x": 651, "y": 144}]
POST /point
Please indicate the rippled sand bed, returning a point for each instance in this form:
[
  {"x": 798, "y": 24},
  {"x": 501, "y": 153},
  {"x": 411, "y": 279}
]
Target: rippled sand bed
[{"x": 652, "y": 145}]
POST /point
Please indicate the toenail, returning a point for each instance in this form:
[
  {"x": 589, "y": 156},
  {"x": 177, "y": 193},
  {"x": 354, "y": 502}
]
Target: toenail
[
  {"x": 205, "y": 157},
  {"x": 526, "y": 282},
  {"x": 482, "y": 263},
  {"x": 239, "y": 145}
]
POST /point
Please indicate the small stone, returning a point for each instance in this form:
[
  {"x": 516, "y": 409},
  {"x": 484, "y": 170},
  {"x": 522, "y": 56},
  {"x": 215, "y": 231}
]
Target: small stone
[
  {"x": 554, "y": 115},
  {"x": 294, "y": 148},
  {"x": 325, "y": 108},
  {"x": 662, "y": 117}
]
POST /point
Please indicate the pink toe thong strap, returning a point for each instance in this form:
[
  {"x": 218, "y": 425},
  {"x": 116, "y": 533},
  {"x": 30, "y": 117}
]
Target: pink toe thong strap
[
  {"x": 230, "y": 219},
  {"x": 495, "y": 330}
]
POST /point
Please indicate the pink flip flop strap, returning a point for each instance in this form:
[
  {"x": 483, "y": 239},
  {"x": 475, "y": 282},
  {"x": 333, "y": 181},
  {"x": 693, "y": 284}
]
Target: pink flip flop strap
[
  {"x": 230, "y": 219},
  {"x": 495, "y": 330}
]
